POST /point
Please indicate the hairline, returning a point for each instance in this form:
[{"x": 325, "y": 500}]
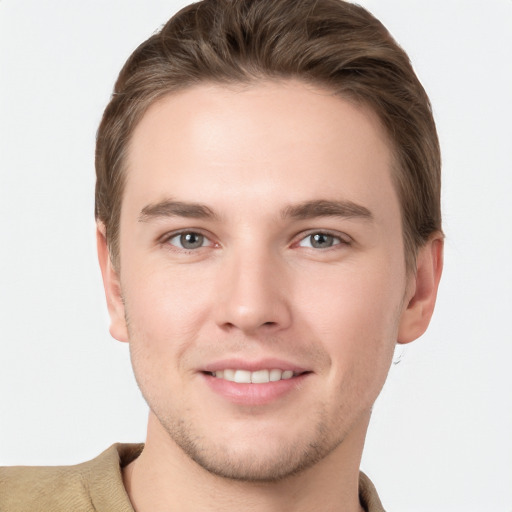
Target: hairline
[{"x": 410, "y": 248}]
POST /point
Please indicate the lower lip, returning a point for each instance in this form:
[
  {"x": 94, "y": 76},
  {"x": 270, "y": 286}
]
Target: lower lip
[{"x": 254, "y": 394}]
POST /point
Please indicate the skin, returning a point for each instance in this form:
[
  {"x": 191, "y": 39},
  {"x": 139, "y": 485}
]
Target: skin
[{"x": 258, "y": 287}]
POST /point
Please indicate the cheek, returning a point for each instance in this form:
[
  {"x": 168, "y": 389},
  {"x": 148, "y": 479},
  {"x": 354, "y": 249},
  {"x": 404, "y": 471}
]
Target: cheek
[
  {"x": 355, "y": 316},
  {"x": 164, "y": 318},
  {"x": 346, "y": 300},
  {"x": 164, "y": 309}
]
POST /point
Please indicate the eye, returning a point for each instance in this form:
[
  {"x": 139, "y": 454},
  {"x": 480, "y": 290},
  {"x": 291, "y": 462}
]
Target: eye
[
  {"x": 189, "y": 240},
  {"x": 320, "y": 241}
]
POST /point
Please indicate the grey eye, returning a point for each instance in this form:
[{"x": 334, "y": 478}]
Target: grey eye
[
  {"x": 320, "y": 241},
  {"x": 188, "y": 240}
]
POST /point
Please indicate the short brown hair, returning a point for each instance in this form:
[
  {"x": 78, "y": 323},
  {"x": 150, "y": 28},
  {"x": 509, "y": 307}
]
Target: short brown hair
[{"x": 331, "y": 43}]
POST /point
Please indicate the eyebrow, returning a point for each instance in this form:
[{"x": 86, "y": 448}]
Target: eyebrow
[
  {"x": 301, "y": 211},
  {"x": 326, "y": 208},
  {"x": 171, "y": 208}
]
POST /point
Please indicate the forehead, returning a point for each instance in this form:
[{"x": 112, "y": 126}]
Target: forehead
[{"x": 263, "y": 143}]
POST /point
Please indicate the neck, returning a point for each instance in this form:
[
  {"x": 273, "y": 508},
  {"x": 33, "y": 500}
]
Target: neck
[{"x": 163, "y": 477}]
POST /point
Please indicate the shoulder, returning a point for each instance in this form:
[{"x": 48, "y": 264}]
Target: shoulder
[
  {"x": 92, "y": 486},
  {"x": 368, "y": 495},
  {"x": 48, "y": 488}
]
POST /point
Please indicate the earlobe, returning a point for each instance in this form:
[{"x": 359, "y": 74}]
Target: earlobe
[
  {"x": 421, "y": 301},
  {"x": 112, "y": 287}
]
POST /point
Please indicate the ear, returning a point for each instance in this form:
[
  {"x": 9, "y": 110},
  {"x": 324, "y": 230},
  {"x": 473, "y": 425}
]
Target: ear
[
  {"x": 422, "y": 290},
  {"x": 111, "y": 284}
]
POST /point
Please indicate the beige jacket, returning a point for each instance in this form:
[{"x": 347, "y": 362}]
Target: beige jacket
[{"x": 94, "y": 486}]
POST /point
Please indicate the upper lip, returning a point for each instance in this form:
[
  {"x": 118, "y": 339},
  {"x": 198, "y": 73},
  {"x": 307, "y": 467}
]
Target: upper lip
[{"x": 253, "y": 366}]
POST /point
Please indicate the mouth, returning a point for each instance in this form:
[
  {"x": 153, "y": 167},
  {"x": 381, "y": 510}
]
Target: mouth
[
  {"x": 263, "y": 376},
  {"x": 255, "y": 383}
]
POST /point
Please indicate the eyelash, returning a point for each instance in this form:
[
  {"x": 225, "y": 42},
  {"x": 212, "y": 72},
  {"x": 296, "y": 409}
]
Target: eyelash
[
  {"x": 337, "y": 238},
  {"x": 166, "y": 240}
]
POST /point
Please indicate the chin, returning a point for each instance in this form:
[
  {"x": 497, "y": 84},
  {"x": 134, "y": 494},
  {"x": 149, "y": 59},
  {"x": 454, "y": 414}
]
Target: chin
[
  {"x": 265, "y": 457},
  {"x": 251, "y": 467}
]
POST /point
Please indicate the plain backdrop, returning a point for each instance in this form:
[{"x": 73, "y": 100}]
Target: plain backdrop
[{"x": 441, "y": 435}]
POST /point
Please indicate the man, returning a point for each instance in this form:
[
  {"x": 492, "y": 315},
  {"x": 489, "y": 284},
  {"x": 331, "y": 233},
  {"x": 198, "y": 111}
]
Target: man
[{"x": 269, "y": 227}]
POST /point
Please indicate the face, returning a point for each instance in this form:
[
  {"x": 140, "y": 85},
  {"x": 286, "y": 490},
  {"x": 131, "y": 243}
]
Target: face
[{"x": 262, "y": 273}]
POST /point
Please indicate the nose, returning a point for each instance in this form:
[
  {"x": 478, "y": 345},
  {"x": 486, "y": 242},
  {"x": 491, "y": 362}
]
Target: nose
[{"x": 252, "y": 294}]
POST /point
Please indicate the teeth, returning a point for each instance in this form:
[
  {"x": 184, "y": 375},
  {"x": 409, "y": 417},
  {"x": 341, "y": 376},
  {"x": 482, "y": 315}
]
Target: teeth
[
  {"x": 257, "y": 377},
  {"x": 260, "y": 377},
  {"x": 228, "y": 375},
  {"x": 242, "y": 376},
  {"x": 275, "y": 375}
]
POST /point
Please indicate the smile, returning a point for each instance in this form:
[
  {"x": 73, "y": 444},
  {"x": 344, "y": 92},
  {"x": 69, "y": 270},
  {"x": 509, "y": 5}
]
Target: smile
[
  {"x": 254, "y": 383},
  {"x": 256, "y": 377}
]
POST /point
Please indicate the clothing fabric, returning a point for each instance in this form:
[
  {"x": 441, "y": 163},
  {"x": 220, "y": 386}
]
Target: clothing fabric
[{"x": 95, "y": 486}]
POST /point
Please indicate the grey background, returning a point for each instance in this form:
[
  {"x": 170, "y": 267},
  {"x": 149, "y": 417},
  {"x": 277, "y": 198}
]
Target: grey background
[{"x": 441, "y": 433}]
